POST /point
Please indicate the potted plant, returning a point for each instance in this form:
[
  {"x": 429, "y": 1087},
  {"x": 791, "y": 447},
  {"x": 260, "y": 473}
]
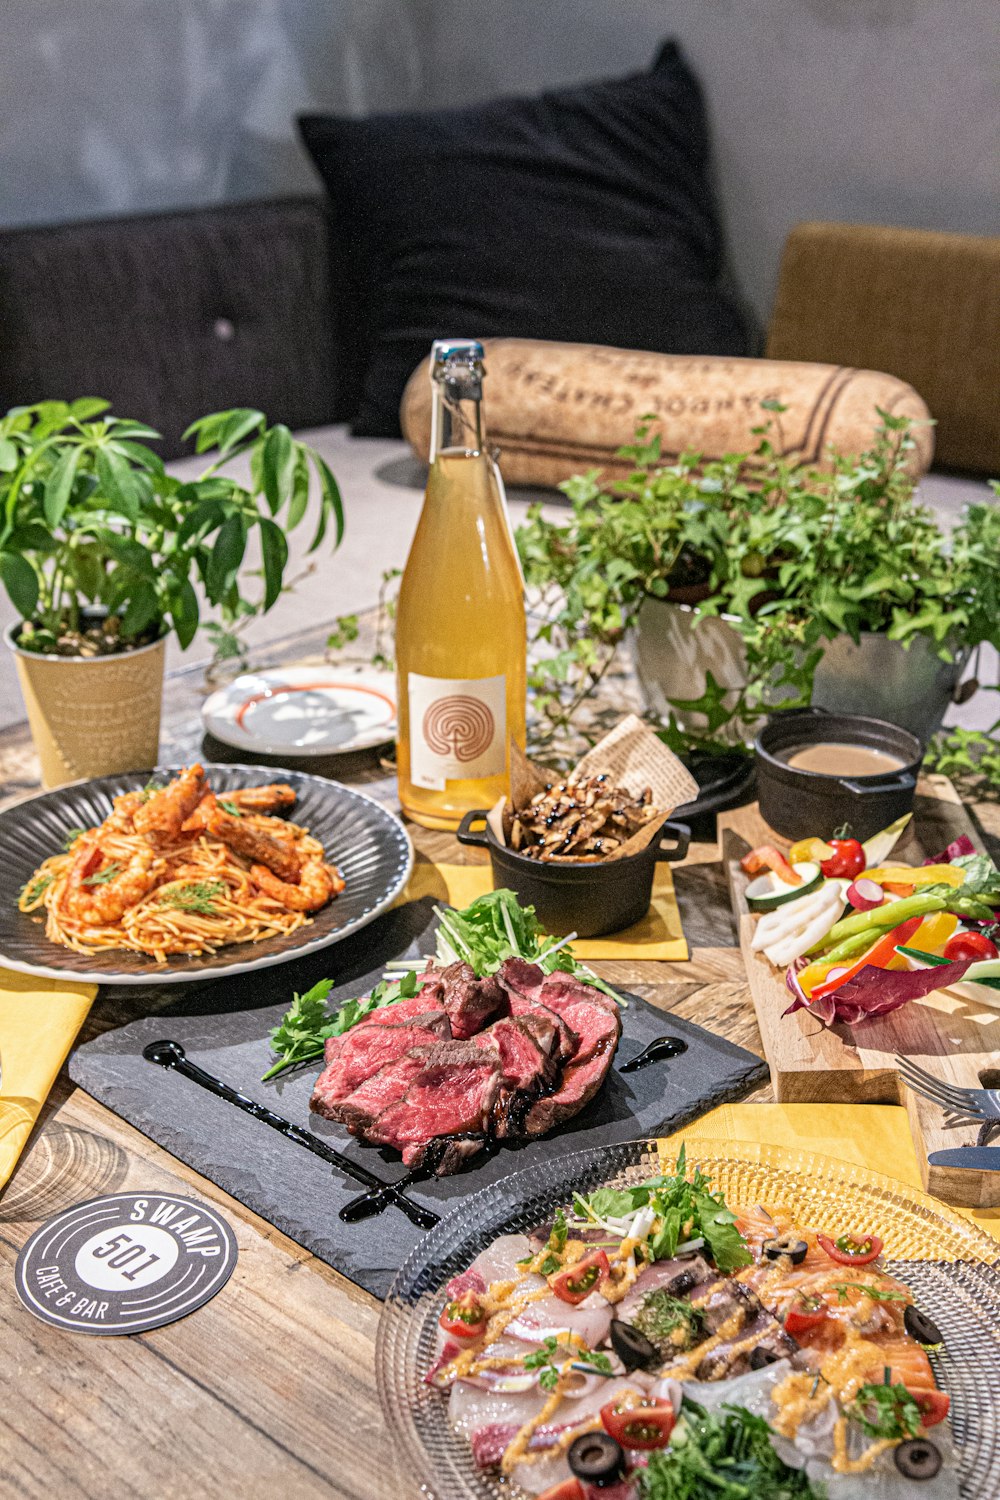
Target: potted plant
[
  {"x": 103, "y": 554},
  {"x": 754, "y": 581}
]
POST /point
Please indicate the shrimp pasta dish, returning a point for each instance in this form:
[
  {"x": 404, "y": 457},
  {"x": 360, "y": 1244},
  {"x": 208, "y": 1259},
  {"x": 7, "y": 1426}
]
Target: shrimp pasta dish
[{"x": 176, "y": 869}]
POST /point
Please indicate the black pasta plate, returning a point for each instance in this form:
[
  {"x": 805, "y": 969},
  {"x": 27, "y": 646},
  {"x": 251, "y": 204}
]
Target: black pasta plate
[{"x": 368, "y": 844}]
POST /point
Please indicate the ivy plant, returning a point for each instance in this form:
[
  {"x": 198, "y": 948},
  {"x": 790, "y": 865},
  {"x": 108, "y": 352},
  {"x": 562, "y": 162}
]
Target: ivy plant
[
  {"x": 93, "y": 527},
  {"x": 793, "y": 554}
]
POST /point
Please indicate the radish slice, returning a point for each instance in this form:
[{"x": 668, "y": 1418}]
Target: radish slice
[{"x": 865, "y": 895}]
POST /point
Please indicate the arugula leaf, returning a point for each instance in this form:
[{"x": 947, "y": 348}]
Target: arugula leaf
[{"x": 302, "y": 1034}]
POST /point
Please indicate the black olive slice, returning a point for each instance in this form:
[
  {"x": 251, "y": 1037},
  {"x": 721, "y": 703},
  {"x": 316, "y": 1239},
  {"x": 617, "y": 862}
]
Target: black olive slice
[
  {"x": 760, "y": 1357},
  {"x": 918, "y": 1458},
  {"x": 794, "y": 1250},
  {"x": 920, "y": 1327},
  {"x": 633, "y": 1348},
  {"x": 596, "y": 1458}
]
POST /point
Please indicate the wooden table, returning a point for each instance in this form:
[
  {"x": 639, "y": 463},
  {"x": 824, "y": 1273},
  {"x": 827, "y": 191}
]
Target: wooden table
[{"x": 268, "y": 1390}]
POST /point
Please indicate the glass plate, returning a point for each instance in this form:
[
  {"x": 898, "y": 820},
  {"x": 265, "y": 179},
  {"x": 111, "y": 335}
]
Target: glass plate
[{"x": 950, "y": 1263}]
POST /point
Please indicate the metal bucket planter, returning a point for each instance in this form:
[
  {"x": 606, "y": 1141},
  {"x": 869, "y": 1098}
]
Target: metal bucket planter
[
  {"x": 907, "y": 685},
  {"x": 95, "y": 715}
]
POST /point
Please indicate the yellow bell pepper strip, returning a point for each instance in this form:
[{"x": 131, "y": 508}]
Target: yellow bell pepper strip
[
  {"x": 882, "y": 955},
  {"x": 813, "y": 850},
  {"x": 918, "y": 875},
  {"x": 934, "y": 931}
]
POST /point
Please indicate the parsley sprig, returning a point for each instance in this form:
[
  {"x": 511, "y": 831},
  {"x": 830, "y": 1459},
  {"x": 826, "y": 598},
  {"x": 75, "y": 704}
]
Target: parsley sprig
[
  {"x": 543, "y": 1359},
  {"x": 886, "y": 1411},
  {"x": 304, "y": 1031}
]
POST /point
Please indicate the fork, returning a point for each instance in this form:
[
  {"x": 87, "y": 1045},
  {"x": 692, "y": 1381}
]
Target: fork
[{"x": 953, "y": 1098}]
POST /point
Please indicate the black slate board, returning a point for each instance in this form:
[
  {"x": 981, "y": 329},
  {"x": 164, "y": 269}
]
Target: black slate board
[{"x": 224, "y": 1026}]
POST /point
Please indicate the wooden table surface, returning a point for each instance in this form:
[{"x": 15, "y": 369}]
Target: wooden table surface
[{"x": 268, "y": 1390}]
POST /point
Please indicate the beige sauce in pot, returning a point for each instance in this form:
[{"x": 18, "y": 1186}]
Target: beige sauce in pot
[{"x": 834, "y": 758}]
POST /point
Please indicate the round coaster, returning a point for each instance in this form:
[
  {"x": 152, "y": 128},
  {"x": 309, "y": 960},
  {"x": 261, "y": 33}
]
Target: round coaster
[{"x": 125, "y": 1263}]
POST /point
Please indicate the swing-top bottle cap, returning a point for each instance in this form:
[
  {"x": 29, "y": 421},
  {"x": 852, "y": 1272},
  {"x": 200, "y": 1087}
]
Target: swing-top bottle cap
[{"x": 443, "y": 351}]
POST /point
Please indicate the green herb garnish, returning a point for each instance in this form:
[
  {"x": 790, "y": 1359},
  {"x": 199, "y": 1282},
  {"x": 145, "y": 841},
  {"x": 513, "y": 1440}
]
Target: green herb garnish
[
  {"x": 660, "y": 1315},
  {"x": 36, "y": 888},
  {"x": 305, "y": 1029},
  {"x": 726, "y": 1454},
  {"x": 543, "y": 1359},
  {"x": 873, "y": 1293},
  {"x": 103, "y": 876},
  {"x": 684, "y": 1210},
  {"x": 230, "y": 808},
  {"x": 886, "y": 1411},
  {"x": 199, "y": 896},
  {"x": 71, "y": 835},
  {"x": 555, "y": 1245}
]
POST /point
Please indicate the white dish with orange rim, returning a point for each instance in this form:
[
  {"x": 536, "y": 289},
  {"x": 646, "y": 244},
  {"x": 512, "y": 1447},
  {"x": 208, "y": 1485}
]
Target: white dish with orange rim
[{"x": 309, "y": 711}]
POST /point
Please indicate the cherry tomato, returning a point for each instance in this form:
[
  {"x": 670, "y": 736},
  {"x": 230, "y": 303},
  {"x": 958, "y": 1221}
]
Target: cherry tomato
[
  {"x": 933, "y": 1404},
  {"x": 847, "y": 1251},
  {"x": 464, "y": 1317},
  {"x": 846, "y": 861},
  {"x": 805, "y": 1313},
  {"x": 972, "y": 945},
  {"x": 644, "y": 1423},
  {"x": 566, "y": 1489},
  {"x": 767, "y": 857},
  {"x": 576, "y": 1283}
]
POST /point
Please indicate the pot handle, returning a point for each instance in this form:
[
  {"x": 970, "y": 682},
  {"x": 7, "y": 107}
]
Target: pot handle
[
  {"x": 464, "y": 832},
  {"x": 797, "y": 713},
  {"x": 902, "y": 784},
  {"x": 682, "y": 837}
]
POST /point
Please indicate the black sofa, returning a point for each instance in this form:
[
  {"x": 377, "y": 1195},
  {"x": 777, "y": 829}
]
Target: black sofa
[{"x": 173, "y": 315}]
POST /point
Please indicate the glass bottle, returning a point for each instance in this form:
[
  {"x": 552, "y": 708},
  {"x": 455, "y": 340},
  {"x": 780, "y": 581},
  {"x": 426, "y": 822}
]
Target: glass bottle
[{"x": 460, "y": 625}]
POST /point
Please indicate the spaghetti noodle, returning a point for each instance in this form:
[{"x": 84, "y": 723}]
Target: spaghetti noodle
[{"x": 177, "y": 870}]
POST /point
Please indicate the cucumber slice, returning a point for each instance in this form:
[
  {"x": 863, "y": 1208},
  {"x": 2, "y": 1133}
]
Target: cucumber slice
[{"x": 767, "y": 891}]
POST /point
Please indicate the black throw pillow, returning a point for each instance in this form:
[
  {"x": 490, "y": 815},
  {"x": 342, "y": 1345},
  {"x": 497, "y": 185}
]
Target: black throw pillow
[{"x": 584, "y": 215}]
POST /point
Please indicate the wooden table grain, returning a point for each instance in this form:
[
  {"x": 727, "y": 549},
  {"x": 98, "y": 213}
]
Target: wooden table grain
[{"x": 268, "y": 1390}]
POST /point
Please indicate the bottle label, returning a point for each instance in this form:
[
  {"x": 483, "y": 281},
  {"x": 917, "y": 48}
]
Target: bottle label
[{"x": 458, "y": 729}]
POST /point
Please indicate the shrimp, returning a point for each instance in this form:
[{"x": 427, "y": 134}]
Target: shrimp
[
  {"x": 199, "y": 819},
  {"x": 121, "y": 819},
  {"x": 263, "y": 799},
  {"x": 100, "y": 893},
  {"x": 317, "y": 884},
  {"x": 253, "y": 844},
  {"x": 166, "y": 810}
]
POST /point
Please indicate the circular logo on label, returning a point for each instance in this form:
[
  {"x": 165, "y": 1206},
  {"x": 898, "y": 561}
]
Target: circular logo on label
[
  {"x": 125, "y": 1263},
  {"x": 458, "y": 726}
]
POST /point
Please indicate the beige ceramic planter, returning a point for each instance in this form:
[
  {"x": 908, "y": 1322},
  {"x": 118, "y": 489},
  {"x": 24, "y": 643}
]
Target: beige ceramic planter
[{"x": 92, "y": 716}]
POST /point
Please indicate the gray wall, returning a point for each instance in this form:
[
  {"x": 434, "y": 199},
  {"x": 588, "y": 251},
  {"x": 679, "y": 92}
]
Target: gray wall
[{"x": 882, "y": 111}]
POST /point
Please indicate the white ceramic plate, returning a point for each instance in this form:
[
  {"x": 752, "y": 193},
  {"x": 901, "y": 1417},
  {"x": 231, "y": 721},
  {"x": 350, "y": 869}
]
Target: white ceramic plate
[{"x": 291, "y": 711}]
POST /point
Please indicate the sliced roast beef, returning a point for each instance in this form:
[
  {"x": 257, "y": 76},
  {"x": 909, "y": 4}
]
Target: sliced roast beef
[
  {"x": 470, "y": 1002},
  {"x": 362, "y": 1107},
  {"x": 452, "y": 1093},
  {"x": 427, "y": 998},
  {"x": 364, "y": 1050},
  {"x": 578, "y": 1085},
  {"x": 525, "y": 1047}
]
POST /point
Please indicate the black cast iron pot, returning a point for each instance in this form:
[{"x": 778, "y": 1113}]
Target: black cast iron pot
[
  {"x": 588, "y": 898},
  {"x": 799, "y": 803}
]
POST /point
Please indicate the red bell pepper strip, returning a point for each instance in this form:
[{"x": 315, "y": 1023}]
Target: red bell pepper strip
[{"x": 876, "y": 957}]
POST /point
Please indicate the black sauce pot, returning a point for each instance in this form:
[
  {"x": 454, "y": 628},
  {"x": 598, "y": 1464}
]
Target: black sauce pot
[
  {"x": 798, "y": 803},
  {"x": 589, "y": 898}
]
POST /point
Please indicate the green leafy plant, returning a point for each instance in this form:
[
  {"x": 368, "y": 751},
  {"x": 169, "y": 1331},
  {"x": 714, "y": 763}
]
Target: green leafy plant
[
  {"x": 102, "y": 550},
  {"x": 970, "y": 758},
  {"x": 791, "y": 554}
]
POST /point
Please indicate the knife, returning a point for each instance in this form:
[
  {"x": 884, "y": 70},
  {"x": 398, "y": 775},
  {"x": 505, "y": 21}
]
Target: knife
[{"x": 979, "y": 1158}]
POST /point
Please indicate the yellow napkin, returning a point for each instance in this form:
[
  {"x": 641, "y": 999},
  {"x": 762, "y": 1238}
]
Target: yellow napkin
[
  {"x": 874, "y": 1136},
  {"x": 39, "y": 1020},
  {"x": 658, "y": 936}
]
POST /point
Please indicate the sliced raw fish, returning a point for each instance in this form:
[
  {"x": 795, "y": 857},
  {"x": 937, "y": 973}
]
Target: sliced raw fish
[
  {"x": 550, "y": 1316},
  {"x": 499, "y": 1261},
  {"x": 678, "y": 1277}
]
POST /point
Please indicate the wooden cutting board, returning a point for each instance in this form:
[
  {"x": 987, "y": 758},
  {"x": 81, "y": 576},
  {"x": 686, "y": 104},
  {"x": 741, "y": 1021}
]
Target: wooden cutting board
[{"x": 955, "y": 1039}]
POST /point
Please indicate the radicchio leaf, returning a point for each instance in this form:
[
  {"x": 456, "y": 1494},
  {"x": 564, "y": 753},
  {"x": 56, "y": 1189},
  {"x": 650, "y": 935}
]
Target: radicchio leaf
[
  {"x": 962, "y": 845},
  {"x": 874, "y": 992}
]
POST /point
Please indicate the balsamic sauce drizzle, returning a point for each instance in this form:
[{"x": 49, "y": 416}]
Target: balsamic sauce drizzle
[
  {"x": 171, "y": 1055},
  {"x": 660, "y": 1047}
]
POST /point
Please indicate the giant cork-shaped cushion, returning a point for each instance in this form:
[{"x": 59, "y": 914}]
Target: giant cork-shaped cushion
[{"x": 556, "y": 409}]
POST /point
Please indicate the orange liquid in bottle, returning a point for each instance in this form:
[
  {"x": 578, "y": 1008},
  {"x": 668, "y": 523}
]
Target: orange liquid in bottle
[{"x": 460, "y": 646}]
